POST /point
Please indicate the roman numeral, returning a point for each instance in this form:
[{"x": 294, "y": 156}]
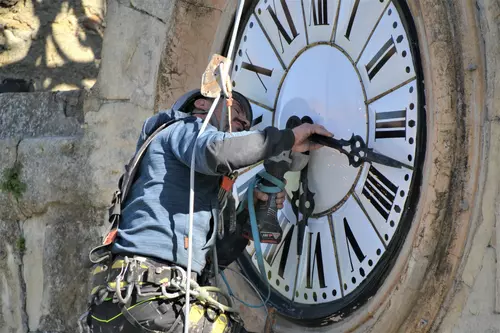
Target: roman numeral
[
  {"x": 380, "y": 191},
  {"x": 352, "y": 243},
  {"x": 257, "y": 70},
  {"x": 351, "y": 19},
  {"x": 280, "y": 26},
  {"x": 312, "y": 259},
  {"x": 390, "y": 124},
  {"x": 381, "y": 58},
  {"x": 271, "y": 254},
  {"x": 319, "y": 12}
]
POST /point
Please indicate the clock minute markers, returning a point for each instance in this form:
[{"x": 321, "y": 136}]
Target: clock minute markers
[{"x": 257, "y": 70}]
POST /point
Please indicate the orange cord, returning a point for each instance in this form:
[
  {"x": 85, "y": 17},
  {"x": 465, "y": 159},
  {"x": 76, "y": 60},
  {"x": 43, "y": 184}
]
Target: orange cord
[{"x": 229, "y": 103}]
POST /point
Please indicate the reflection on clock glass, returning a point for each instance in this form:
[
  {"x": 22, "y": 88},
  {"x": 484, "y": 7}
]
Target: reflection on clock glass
[{"x": 352, "y": 66}]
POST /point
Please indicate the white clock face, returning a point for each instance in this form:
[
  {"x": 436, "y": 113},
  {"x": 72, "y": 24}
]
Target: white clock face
[{"x": 352, "y": 66}]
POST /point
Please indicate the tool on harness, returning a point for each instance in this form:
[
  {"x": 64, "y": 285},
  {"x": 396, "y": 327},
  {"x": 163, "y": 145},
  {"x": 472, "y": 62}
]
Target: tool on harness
[
  {"x": 227, "y": 202},
  {"x": 153, "y": 280}
]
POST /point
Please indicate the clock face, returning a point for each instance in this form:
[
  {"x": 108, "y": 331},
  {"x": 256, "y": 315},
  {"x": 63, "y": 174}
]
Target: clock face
[{"x": 352, "y": 66}]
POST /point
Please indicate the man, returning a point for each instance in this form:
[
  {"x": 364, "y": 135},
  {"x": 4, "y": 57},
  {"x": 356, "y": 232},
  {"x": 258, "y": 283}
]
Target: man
[{"x": 155, "y": 214}]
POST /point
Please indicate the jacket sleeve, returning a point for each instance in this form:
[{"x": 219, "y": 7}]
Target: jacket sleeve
[{"x": 219, "y": 153}]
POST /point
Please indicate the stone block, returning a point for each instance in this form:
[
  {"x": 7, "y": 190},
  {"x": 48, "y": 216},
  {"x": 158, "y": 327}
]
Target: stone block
[
  {"x": 133, "y": 43},
  {"x": 111, "y": 136},
  {"x": 187, "y": 51},
  {"x": 12, "y": 303},
  {"x": 8, "y": 148},
  {"x": 40, "y": 114},
  {"x": 55, "y": 266},
  {"x": 54, "y": 170}
]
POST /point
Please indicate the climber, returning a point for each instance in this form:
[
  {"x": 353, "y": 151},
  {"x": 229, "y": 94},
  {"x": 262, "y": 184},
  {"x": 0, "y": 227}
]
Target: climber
[{"x": 150, "y": 248}]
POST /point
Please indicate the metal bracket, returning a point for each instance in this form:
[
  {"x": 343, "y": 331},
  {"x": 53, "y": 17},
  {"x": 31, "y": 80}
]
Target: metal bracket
[{"x": 216, "y": 78}]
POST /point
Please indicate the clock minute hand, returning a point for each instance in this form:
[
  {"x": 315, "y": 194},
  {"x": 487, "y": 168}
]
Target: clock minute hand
[
  {"x": 359, "y": 152},
  {"x": 306, "y": 208}
]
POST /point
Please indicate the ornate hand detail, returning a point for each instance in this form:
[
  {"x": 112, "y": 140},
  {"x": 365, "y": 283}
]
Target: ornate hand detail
[{"x": 359, "y": 152}]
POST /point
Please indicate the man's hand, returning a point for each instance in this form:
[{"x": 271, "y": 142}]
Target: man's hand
[
  {"x": 302, "y": 134},
  {"x": 280, "y": 197}
]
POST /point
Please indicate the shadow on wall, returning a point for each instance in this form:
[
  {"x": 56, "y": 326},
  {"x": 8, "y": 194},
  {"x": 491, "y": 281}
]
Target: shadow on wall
[{"x": 50, "y": 44}]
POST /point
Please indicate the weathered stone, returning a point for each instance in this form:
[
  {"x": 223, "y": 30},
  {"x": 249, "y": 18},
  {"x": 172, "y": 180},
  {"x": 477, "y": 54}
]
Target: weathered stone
[
  {"x": 40, "y": 114},
  {"x": 33, "y": 231},
  {"x": 56, "y": 267},
  {"x": 478, "y": 314},
  {"x": 111, "y": 135},
  {"x": 157, "y": 8},
  {"x": 8, "y": 148},
  {"x": 54, "y": 170},
  {"x": 187, "y": 51},
  {"x": 132, "y": 48},
  {"x": 12, "y": 303},
  {"x": 212, "y": 4}
]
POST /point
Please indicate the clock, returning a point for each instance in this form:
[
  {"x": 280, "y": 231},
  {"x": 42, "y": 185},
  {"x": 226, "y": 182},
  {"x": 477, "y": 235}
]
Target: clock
[{"x": 352, "y": 66}]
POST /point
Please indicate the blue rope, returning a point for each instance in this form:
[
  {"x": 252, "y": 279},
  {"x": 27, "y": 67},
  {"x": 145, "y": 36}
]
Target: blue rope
[{"x": 279, "y": 186}]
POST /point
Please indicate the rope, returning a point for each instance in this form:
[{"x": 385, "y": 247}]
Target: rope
[
  {"x": 279, "y": 186},
  {"x": 177, "y": 287},
  {"x": 191, "y": 178}
]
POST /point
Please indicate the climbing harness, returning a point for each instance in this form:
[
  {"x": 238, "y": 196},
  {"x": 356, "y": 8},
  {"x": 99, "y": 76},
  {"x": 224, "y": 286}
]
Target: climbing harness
[
  {"x": 153, "y": 280},
  {"x": 150, "y": 280}
]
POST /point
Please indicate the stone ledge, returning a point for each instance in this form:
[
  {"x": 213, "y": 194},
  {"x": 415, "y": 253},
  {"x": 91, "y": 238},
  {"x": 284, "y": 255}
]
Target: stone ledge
[{"x": 41, "y": 114}]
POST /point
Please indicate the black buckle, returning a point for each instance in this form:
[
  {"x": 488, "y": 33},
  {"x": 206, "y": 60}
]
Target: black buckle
[{"x": 115, "y": 209}]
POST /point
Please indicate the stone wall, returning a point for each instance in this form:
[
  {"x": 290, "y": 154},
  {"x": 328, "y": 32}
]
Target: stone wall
[
  {"x": 62, "y": 152},
  {"x": 47, "y": 224}
]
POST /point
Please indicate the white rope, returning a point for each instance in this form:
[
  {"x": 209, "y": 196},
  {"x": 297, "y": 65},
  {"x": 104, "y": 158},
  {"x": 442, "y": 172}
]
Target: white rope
[
  {"x": 192, "y": 171},
  {"x": 191, "y": 211}
]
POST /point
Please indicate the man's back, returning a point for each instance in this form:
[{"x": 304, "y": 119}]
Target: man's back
[{"x": 155, "y": 215}]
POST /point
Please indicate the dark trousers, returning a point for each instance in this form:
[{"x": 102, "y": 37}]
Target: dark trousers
[{"x": 158, "y": 316}]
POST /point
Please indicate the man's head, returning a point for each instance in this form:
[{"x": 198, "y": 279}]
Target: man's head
[{"x": 198, "y": 105}]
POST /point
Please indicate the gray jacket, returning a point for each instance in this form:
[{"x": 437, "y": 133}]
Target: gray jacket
[{"x": 155, "y": 215}]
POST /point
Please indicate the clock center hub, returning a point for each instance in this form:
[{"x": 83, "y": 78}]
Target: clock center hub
[{"x": 324, "y": 84}]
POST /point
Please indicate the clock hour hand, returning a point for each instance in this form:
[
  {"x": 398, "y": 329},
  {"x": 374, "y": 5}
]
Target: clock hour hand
[{"x": 359, "y": 152}]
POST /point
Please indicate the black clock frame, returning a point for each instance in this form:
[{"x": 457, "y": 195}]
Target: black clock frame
[{"x": 328, "y": 313}]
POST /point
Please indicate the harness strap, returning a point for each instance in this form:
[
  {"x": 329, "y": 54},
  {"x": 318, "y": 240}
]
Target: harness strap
[{"x": 103, "y": 251}]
